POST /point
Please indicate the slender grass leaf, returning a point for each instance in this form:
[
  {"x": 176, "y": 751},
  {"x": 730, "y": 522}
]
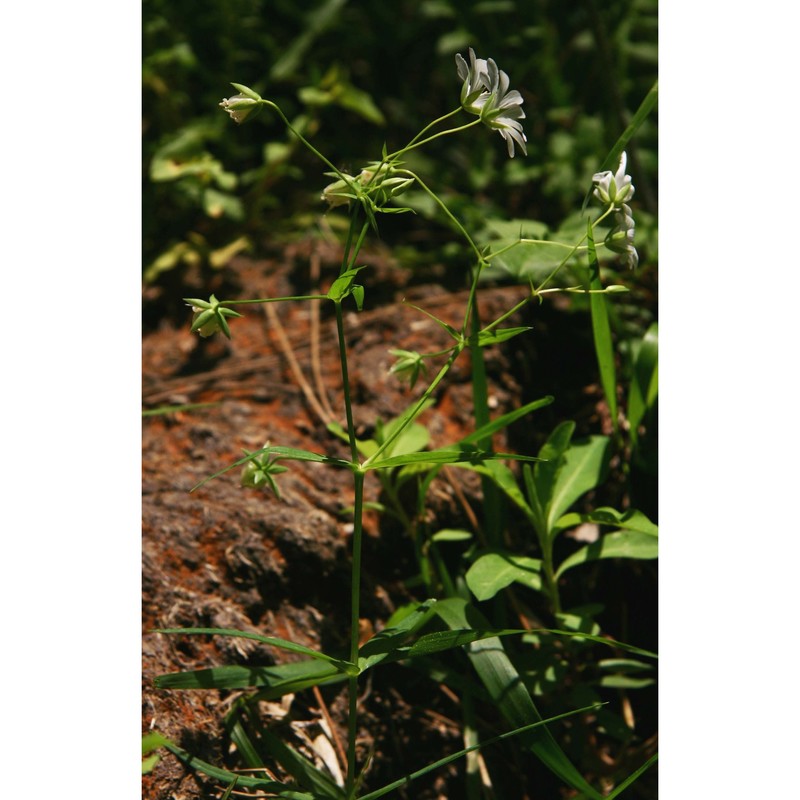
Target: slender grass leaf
[
  {"x": 618, "y": 544},
  {"x": 438, "y": 641},
  {"x": 486, "y": 431},
  {"x": 585, "y": 466},
  {"x": 390, "y": 787},
  {"x": 612, "y": 159},
  {"x": 390, "y": 638},
  {"x": 509, "y": 693},
  {"x": 457, "y": 454},
  {"x": 226, "y": 776},
  {"x": 625, "y": 682},
  {"x": 494, "y": 571},
  {"x": 644, "y": 383},
  {"x": 301, "y": 769},
  {"x": 283, "y": 644},
  {"x": 229, "y": 790},
  {"x": 633, "y": 777},
  {"x": 278, "y": 680},
  {"x": 601, "y": 331}
]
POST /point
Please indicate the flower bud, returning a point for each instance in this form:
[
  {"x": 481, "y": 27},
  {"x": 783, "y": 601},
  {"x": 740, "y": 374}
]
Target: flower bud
[
  {"x": 239, "y": 106},
  {"x": 613, "y": 189}
]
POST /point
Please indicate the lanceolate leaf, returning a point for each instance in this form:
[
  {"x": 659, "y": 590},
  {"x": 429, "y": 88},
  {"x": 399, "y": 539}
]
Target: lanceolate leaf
[
  {"x": 389, "y": 639},
  {"x": 619, "y": 544},
  {"x": 601, "y": 329},
  {"x": 507, "y": 690}
]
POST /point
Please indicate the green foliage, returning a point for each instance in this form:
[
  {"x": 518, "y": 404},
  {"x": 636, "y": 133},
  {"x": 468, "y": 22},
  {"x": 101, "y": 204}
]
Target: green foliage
[{"x": 221, "y": 203}]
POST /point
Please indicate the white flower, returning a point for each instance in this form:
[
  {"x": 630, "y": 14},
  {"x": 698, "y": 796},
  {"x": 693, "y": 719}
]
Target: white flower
[
  {"x": 620, "y": 238},
  {"x": 485, "y": 93},
  {"x": 239, "y": 106},
  {"x": 613, "y": 189},
  {"x": 476, "y": 82}
]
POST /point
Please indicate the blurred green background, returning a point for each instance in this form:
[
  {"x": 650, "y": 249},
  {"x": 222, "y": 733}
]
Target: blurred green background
[{"x": 353, "y": 75}]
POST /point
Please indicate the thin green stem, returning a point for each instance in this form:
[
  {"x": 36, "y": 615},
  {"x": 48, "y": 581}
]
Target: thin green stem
[
  {"x": 273, "y": 299},
  {"x": 302, "y": 138},
  {"x": 348, "y": 407},
  {"x": 445, "y": 209},
  {"x": 428, "y": 127},
  {"x": 355, "y": 602},
  {"x": 435, "y": 136}
]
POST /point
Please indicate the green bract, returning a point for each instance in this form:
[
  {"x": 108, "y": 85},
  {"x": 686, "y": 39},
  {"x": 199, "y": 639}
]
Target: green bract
[{"x": 209, "y": 316}]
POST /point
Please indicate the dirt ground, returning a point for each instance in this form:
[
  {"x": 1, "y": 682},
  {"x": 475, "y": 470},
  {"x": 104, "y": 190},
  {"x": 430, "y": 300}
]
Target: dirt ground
[{"x": 225, "y": 556}]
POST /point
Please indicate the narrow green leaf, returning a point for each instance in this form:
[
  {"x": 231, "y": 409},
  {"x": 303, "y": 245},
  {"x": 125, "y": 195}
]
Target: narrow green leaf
[
  {"x": 278, "y": 680},
  {"x": 300, "y": 768},
  {"x": 644, "y": 382},
  {"x": 390, "y": 638},
  {"x": 457, "y": 454},
  {"x": 494, "y": 571},
  {"x": 497, "y": 335},
  {"x": 601, "y": 330},
  {"x": 283, "y": 644},
  {"x": 619, "y": 544},
  {"x": 461, "y": 753},
  {"x": 634, "y": 776},
  {"x": 226, "y": 776},
  {"x": 612, "y": 159},
  {"x": 489, "y": 429},
  {"x": 154, "y": 412},
  {"x": 507, "y": 690}
]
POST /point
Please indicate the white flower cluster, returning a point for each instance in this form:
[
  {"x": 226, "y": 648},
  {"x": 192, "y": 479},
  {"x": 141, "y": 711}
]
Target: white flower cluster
[
  {"x": 616, "y": 190},
  {"x": 485, "y": 93}
]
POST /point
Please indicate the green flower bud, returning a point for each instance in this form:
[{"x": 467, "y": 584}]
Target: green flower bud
[{"x": 210, "y": 316}]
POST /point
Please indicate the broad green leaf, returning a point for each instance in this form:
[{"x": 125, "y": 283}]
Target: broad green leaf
[
  {"x": 541, "y": 485},
  {"x": 275, "y": 681},
  {"x": 272, "y": 641},
  {"x": 619, "y": 544},
  {"x": 584, "y": 467},
  {"x": 507, "y": 690},
  {"x": 631, "y": 520},
  {"x": 494, "y": 571}
]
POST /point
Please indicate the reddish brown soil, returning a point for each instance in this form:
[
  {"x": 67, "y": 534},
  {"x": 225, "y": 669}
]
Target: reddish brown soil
[{"x": 225, "y": 556}]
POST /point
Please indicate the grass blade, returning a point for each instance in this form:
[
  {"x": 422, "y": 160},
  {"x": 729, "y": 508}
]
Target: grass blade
[
  {"x": 283, "y": 644},
  {"x": 390, "y": 787},
  {"x": 509, "y": 693},
  {"x": 601, "y": 331},
  {"x": 278, "y": 680},
  {"x": 631, "y": 778}
]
